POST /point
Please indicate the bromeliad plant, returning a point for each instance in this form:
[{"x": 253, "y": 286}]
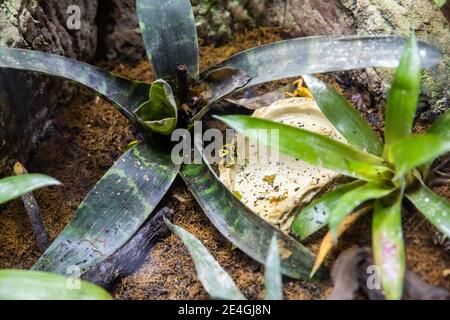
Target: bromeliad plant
[
  {"x": 129, "y": 192},
  {"x": 384, "y": 175}
]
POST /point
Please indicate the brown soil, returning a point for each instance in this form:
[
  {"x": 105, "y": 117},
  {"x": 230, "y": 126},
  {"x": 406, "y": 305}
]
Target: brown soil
[{"x": 89, "y": 135}]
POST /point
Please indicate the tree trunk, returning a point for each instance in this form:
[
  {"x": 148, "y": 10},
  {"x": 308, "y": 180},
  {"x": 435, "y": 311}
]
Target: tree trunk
[{"x": 27, "y": 100}]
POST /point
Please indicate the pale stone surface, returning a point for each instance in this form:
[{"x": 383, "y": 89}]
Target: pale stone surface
[{"x": 275, "y": 185}]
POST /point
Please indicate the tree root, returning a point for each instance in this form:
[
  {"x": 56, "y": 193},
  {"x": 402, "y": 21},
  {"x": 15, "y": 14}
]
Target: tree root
[
  {"x": 131, "y": 255},
  {"x": 352, "y": 274}
]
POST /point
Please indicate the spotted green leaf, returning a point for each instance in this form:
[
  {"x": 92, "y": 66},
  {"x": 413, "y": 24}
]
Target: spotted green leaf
[
  {"x": 170, "y": 35},
  {"x": 435, "y": 208},
  {"x": 309, "y": 55},
  {"x": 344, "y": 117},
  {"x": 272, "y": 274},
  {"x": 242, "y": 227},
  {"x": 387, "y": 243},
  {"x": 442, "y": 126},
  {"x": 216, "y": 281},
  {"x": 34, "y": 285},
  {"x": 312, "y": 148},
  {"x": 414, "y": 151},
  {"x": 352, "y": 200},
  {"x": 112, "y": 211},
  {"x": 404, "y": 94},
  {"x": 160, "y": 112},
  {"x": 125, "y": 94},
  {"x": 16, "y": 186},
  {"x": 315, "y": 215}
]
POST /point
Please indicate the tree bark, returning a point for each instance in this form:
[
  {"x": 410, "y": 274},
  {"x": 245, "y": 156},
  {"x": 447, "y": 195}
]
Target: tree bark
[
  {"x": 370, "y": 17},
  {"x": 27, "y": 100}
]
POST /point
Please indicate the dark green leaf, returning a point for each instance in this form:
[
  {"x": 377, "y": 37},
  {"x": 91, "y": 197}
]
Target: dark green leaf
[
  {"x": 264, "y": 100},
  {"x": 295, "y": 57},
  {"x": 125, "y": 94},
  {"x": 14, "y": 187},
  {"x": 272, "y": 274},
  {"x": 411, "y": 152},
  {"x": 240, "y": 225},
  {"x": 216, "y": 85},
  {"x": 442, "y": 126},
  {"x": 160, "y": 113},
  {"x": 404, "y": 94},
  {"x": 352, "y": 200},
  {"x": 315, "y": 215},
  {"x": 34, "y": 285},
  {"x": 216, "y": 281},
  {"x": 170, "y": 35},
  {"x": 344, "y": 117},
  {"x": 436, "y": 209},
  {"x": 113, "y": 210},
  {"x": 388, "y": 248},
  {"x": 312, "y": 148}
]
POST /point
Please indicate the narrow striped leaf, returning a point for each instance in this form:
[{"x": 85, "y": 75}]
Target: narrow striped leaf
[
  {"x": 240, "y": 225},
  {"x": 433, "y": 207},
  {"x": 170, "y": 35},
  {"x": 344, "y": 117},
  {"x": 125, "y": 94},
  {"x": 272, "y": 274},
  {"x": 112, "y": 211},
  {"x": 296, "y": 57},
  {"x": 411, "y": 152},
  {"x": 404, "y": 94},
  {"x": 216, "y": 281},
  {"x": 352, "y": 200},
  {"x": 34, "y": 285},
  {"x": 442, "y": 126},
  {"x": 315, "y": 215},
  {"x": 312, "y": 148},
  {"x": 388, "y": 247},
  {"x": 216, "y": 85},
  {"x": 16, "y": 186}
]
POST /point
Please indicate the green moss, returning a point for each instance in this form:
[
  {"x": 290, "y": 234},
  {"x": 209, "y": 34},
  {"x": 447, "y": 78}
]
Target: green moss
[
  {"x": 218, "y": 19},
  {"x": 436, "y": 84},
  {"x": 9, "y": 21}
]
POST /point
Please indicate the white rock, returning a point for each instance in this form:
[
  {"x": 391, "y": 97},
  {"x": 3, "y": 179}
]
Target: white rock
[{"x": 275, "y": 189}]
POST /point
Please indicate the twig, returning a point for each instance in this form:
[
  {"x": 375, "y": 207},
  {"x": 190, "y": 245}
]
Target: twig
[
  {"x": 181, "y": 83},
  {"x": 131, "y": 255},
  {"x": 33, "y": 212},
  {"x": 436, "y": 182},
  {"x": 350, "y": 275}
]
